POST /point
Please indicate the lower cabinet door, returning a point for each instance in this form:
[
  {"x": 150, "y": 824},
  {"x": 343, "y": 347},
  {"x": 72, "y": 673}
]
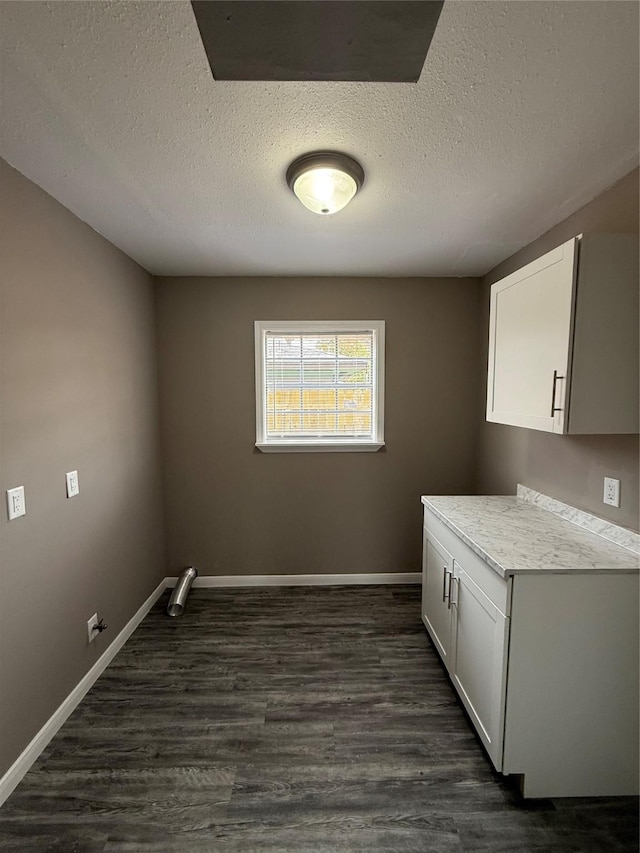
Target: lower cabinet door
[
  {"x": 437, "y": 572},
  {"x": 478, "y": 660}
]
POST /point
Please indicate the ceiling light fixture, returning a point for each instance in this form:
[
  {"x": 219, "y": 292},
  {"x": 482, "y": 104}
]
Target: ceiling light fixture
[{"x": 325, "y": 181}]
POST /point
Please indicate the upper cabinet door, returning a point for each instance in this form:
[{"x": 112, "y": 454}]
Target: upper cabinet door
[
  {"x": 563, "y": 340},
  {"x": 529, "y": 342}
]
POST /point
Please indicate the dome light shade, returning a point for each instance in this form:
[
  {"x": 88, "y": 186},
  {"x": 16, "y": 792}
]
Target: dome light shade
[{"x": 325, "y": 181}]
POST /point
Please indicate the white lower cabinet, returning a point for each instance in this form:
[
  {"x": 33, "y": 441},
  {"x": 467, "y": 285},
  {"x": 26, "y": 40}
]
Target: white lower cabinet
[
  {"x": 437, "y": 572},
  {"x": 479, "y": 660},
  {"x": 470, "y": 632},
  {"x": 546, "y": 666}
]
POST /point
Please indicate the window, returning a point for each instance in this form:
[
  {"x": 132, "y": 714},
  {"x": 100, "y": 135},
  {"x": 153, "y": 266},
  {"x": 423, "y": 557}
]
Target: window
[{"x": 319, "y": 385}]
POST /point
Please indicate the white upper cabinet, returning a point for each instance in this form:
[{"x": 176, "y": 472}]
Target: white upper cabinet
[{"x": 563, "y": 340}]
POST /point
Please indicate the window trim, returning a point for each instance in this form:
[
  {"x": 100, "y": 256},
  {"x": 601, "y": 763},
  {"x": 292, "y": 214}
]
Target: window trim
[{"x": 320, "y": 445}]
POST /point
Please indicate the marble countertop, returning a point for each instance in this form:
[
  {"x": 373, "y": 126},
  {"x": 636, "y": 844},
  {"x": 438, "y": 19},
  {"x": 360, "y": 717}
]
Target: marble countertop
[{"x": 515, "y": 537}]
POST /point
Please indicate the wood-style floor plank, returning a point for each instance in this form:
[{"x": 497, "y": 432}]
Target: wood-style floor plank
[{"x": 303, "y": 719}]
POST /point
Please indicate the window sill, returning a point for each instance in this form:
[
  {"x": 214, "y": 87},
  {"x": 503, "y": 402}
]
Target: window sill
[{"x": 319, "y": 446}]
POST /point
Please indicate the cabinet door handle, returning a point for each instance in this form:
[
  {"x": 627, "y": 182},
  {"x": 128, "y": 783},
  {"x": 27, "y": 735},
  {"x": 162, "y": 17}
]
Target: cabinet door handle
[
  {"x": 444, "y": 583},
  {"x": 451, "y": 602},
  {"x": 555, "y": 408}
]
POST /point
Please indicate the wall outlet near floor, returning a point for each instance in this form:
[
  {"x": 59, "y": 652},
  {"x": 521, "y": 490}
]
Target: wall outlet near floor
[
  {"x": 73, "y": 485},
  {"x": 15, "y": 503},
  {"x": 611, "y": 491},
  {"x": 92, "y": 627}
]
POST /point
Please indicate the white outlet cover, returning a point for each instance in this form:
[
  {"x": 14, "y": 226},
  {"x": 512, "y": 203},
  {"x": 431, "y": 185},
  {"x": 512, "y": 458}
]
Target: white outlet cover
[
  {"x": 73, "y": 484},
  {"x": 611, "y": 491},
  {"x": 91, "y": 633},
  {"x": 16, "y": 506}
]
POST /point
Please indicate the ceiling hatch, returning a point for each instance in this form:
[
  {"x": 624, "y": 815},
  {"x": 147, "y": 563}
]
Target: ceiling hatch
[{"x": 345, "y": 40}]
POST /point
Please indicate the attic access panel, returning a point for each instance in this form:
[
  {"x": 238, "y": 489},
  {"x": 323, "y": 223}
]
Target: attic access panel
[{"x": 339, "y": 40}]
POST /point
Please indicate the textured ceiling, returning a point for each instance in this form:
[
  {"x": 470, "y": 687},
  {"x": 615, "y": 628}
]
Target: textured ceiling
[{"x": 524, "y": 111}]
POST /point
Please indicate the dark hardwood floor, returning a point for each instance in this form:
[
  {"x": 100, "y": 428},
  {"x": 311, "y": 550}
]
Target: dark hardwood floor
[{"x": 305, "y": 719}]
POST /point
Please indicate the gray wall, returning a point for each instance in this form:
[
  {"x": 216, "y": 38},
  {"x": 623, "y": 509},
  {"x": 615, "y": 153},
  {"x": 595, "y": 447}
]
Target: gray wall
[
  {"x": 78, "y": 386},
  {"x": 79, "y": 390},
  {"x": 569, "y": 468},
  {"x": 231, "y": 510}
]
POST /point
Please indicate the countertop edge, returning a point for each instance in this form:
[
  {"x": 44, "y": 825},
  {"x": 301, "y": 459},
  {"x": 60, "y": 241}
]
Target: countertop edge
[
  {"x": 505, "y": 572},
  {"x": 495, "y": 565}
]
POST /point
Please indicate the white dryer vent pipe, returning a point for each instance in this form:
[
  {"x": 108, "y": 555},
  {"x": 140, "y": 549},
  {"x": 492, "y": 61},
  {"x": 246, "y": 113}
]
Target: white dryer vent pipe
[{"x": 181, "y": 591}]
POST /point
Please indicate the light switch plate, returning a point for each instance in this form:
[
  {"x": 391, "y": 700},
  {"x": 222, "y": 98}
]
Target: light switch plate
[
  {"x": 15, "y": 503},
  {"x": 73, "y": 485}
]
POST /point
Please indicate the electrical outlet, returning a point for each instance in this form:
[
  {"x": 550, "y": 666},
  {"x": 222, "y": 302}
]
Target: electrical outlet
[
  {"x": 73, "y": 485},
  {"x": 92, "y": 630},
  {"x": 15, "y": 503},
  {"x": 611, "y": 491}
]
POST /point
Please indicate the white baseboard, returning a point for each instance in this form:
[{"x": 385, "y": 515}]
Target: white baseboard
[
  {"x": 24, "y": 761},
  {"x": 302, "y": 580}
]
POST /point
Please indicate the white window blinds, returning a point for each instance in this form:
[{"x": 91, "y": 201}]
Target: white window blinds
[{"x": 320, "y": 384}]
